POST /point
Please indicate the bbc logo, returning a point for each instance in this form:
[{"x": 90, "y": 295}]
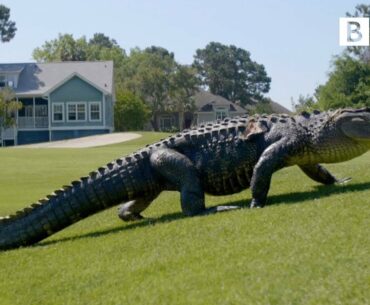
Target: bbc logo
[{"x": 354, "y": 31}]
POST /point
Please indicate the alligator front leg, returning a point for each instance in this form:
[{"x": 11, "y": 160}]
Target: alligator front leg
[
  {"x": 320, "y": 174},
  {"x": 270, "y": 161},
  {"x": 179, "y": 171}
]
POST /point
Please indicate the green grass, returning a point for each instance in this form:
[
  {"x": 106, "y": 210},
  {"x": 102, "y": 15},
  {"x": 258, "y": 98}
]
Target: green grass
[{"x": 310, "y": 246}]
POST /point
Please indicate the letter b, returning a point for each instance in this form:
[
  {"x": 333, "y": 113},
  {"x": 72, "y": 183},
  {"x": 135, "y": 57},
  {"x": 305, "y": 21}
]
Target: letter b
[{"x": 354, "y": 31}]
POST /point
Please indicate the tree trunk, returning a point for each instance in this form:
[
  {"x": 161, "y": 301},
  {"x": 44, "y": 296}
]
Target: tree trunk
[{"x": 154, "y": 121}]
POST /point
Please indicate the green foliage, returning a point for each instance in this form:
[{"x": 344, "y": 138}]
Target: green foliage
[
  {"x": 130, "y": 112},
  {"x": 67, "y": 48},
  {"x": 7, "y": 27},
  {"x": 261, "y": 107},
  {"x": 304, "y": 103},
  {"x": 348, "y": 84},
  {"x": 228, "y": 71},
  {"x": 8, "y": 106},
  {"x": 183, "y": 86},
  {"x": 159, "y": 80},
  {"x": 310, "y": 246}
]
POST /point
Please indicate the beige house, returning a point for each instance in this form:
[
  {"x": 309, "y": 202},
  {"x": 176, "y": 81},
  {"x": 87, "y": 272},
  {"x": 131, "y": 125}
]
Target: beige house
[{"x": 208, "y": 107}]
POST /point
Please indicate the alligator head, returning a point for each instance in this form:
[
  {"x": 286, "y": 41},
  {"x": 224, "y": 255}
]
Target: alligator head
[
  {"x": 355, "y": 124},
  {"x": 344, "y": 135}
]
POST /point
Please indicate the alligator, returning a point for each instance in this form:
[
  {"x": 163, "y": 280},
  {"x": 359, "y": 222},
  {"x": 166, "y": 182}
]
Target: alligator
[{"x": 219, "y": 158}]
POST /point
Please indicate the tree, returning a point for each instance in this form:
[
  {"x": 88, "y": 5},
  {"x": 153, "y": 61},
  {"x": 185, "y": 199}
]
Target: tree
[
  {"x": 153, "y": 74},
  {"x": 66, "y": 48},
  {"x": 363, "y": 53},
  {"x": 130, "y": 112},
  {"x": 304, "y": 103},
  {"x": 101, "y": 47},
  {"x": 184, "y": 85},
  {"x": 102, "y": 41},
  {"x": 348, "y": 84},
  {"x": 229, "y": 71},
  {"x": 7, "y": 27},
  {"x": 8, "y": 106}
]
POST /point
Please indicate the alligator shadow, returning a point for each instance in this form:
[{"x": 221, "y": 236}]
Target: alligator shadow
[{"x": 287, "y": 198}]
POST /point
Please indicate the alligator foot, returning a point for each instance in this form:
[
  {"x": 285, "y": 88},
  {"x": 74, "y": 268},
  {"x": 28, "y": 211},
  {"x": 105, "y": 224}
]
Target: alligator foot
[
  {"x": 256, "y": 204},
  {"x": 220, "y": 208},
  {"x": 130, "y": 216},
  {"x": 343, "y": 180}
]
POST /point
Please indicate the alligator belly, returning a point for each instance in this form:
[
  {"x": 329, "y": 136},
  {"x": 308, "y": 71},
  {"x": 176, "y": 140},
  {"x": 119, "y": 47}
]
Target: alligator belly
[{"x": 217, "y": 183}]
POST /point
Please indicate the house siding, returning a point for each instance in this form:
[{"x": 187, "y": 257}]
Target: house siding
[
  {"x": 77, "y": 90},
  {"x": 206, "y": 117},
  {"x": 31, "y": 137},
  {"x": 40, "y": 86},
  {"x": 109, "y": 112}
]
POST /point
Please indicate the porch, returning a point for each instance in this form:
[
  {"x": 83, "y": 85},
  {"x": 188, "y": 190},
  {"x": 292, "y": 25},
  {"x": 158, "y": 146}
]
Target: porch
[{"x": 34, "y": 113}]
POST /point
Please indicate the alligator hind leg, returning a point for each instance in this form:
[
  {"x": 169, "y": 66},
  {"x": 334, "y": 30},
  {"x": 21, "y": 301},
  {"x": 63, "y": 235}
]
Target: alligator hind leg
[
  {"x": 320, "y": 174},
  {"x": 178, "y": 170},
  {"x": 131, "y": 210}
]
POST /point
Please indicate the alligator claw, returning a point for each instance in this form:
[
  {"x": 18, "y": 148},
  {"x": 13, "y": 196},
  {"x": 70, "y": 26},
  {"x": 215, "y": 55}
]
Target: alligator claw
[
  {"x": 343, "y": 180},
  {"x": 220, "y": 208},
  {"x": 256, "y": 204},
  {"x": 130, "y": 216}
]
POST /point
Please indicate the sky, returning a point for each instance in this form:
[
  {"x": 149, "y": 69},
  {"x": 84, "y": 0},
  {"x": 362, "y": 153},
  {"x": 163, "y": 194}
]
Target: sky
[{"x": 294, "y": 39}]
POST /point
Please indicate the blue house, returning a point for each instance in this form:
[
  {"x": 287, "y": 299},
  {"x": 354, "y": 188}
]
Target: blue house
[{"x": 60, "y": 100}]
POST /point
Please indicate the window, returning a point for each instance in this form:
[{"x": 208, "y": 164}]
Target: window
[
  {"x": 221, "y": 114},
  {"x": 6, "y": 81},
  {"x": 95, "y": 111},
  {"x": 58, "y": 112},
  {"x": 166, "y": 122},
  {"x": 41, "y": 110},
  {"x": 28, "y": 110},
  {"x": 76, "y": 112},
  {"x": 2, "y": 81}
]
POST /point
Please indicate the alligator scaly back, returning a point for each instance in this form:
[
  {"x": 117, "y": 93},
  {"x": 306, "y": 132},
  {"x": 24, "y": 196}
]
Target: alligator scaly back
[
  {"x": 108, "y": 186},
  {"x": 218, "y": 158}
]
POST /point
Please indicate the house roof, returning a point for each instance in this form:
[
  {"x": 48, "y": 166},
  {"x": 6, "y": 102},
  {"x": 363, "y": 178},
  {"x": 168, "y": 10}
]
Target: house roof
[
  {"x": 206, "y": 101},
  {"x": 40, "y": 78},
  {"x": 274, "y": 107},
  {"x": 277, "y": 108},
  {"x": 11, "y": 68}
]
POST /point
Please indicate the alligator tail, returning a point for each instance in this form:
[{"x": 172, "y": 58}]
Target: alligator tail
[{"x": 101, "y": 189}]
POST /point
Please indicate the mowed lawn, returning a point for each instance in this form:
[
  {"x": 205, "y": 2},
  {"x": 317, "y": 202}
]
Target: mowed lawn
[{"x": 311, "y": 245}]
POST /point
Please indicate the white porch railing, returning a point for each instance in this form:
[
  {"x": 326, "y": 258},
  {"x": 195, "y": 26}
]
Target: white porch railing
[
  {"x": 31, "y": 122},
  {"x": 8, "y": 134}
]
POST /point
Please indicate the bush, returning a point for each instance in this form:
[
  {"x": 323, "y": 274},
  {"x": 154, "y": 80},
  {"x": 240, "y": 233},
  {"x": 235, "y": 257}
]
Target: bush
[{"x": 130, "y": 112}]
